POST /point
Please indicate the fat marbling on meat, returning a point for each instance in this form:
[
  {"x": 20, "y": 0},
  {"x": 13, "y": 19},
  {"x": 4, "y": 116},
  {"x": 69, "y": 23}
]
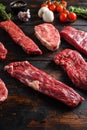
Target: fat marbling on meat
[
  {"x": 43, "y": 82},
  {"x": 20, "y": 38},
  {"x": 48, "y": 35},
  {"x": 75, "y": 37},
  {"x": 3, "y": 91},
  {"x": 74, "y": 65},
  {"x": 3, "y": 52}
]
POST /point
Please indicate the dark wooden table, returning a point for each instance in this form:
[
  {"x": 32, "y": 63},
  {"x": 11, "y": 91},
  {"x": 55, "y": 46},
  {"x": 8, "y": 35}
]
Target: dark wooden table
[{"x": 26, "y": 109}]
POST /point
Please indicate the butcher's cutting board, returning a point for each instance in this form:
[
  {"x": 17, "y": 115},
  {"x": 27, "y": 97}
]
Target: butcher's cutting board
[{"x": 26, "y": 109}]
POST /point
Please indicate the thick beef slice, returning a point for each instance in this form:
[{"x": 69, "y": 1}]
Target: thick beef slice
[
  {"x": 75, "y": 66},
  {"x": 48, "y": 35},
  {"x": 3, "y": 91},
  {"x": 44, "y": 83},
  {"x": 20, "y": 38},
  {"x": 75, "y": 37},
  {"x": 3, "y": 52}
]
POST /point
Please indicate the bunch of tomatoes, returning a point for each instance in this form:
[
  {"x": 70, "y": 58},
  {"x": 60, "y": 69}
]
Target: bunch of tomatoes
[{"x": 60, "y": 7}]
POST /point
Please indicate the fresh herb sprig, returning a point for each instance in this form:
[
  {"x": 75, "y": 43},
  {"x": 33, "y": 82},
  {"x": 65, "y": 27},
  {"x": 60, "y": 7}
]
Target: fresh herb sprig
[
  {"x": 79, "y": 11},
  {"x": 3, "y": 14}
]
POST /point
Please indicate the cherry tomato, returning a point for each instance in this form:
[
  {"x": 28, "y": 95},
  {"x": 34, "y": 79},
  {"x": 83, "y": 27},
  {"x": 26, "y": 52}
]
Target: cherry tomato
[
  {"x": 52, "y": 7},
  {"x": 63, "y": 17},
  {"x": 56, "y": 3},
  {"x": 72, "y": 16},
  {"x": 65, "y": 11},
  {"x": 64, "y": 3},
  {"x": 49, "y": 4},
  {"x": 44, "y": 5},
  {"x": 60, "y": 8}
]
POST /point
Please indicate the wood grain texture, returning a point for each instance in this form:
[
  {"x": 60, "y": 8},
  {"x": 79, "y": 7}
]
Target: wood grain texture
[{"x": 26, "y": 109}]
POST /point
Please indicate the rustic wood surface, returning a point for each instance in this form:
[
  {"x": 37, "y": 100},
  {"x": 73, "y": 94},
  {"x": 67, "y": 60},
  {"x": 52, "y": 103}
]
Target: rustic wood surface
[{"x": 26, "y": 109}]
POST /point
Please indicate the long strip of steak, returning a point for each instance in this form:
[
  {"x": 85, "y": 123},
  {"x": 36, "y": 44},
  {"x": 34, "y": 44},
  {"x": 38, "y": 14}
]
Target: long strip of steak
[
  {"x": 3, "y": 52},
  {"x": 20, "y": 38},
  {"x": 48, "y": 35},
  {"x": 3, "y": 91},
  {"x": 75, "y": 37},
  {"x": 75, "y": 66},
  {"x": 44, "y": 83}
]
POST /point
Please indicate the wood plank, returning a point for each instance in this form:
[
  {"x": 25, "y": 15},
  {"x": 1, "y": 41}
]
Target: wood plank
[{"x": 26, "y": 109}]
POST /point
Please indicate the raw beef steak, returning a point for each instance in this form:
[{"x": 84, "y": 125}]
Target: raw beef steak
[
  {"x": 75, "y": 66},
  {"x": 48, "y": 35},
  {"x": 20, "y": 38},
  {"x": 75, "y": 37},
  {"x": 3, "y": 52},
  {"x": 3, "y": 91},
  {"x": 44, "y": 83}
]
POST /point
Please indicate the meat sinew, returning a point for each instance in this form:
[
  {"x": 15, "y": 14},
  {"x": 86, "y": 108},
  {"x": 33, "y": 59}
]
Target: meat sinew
[
  {"x": 3, "y": 91},
  {"x": 75, "y": 66},
  {"x": 3, "y": 52},
  {"x": 44, "y": 83},
  {"x": 75, "y": 37},
  {"x": 20, "y": 38},
  {"x": 48, "y": 35}
]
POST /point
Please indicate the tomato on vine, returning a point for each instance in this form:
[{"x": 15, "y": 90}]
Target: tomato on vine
[
  {"x": 60, "y": 8},
  {"x": 63, "y": 17},
  {"x": 52, "y": 7},
  {"x": 49, "y": 3},
  {"x": 56, "y": 3},
  {"x": 65, "y": 11},
  {"x": 64, "y": 3},
  {"x": 72, "y": 16}
]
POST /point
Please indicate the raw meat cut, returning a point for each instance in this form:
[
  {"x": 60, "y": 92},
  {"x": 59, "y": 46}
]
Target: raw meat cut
[
  {"x": 44, "y": 83},
  {"x": 20, "y": 38},
  {"x": 3, "y": 52},
  {"x": 75, "y": 37},
  {"x": 75, "y": 66},
  {"x": 48, "y": 35},
  {"x": 3, "y": 91}
]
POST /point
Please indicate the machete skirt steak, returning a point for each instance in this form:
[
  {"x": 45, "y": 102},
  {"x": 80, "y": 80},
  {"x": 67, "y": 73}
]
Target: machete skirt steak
[
  {"x": 3, "y": 91},
  {"x": 75, "y": 37},
  {"x": 44, "y": 83},
  {"x": 75, "y": 66},
  {"x": 20, "y": 38},
  {"x": 3, "y": 52}
]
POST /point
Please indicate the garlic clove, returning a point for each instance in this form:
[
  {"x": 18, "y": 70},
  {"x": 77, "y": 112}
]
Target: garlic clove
[
  {"x": 48, "y": 16},
  {"x": 41, "y": 11},
  {"x": 24, "y": 16}
]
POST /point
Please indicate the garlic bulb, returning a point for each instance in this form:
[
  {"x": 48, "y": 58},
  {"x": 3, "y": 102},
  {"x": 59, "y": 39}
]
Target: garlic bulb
[
  {"x": 24, "y": 16},
  {"x": 48, "y": 16},
  {"x": 41, "y": 11}
]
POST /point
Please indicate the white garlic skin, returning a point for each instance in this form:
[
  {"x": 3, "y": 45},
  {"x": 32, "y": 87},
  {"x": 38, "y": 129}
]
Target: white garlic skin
[
  {"x": 48, "y": 16},
  {"x": 24, "y": 16},
  {"x": 41, "y": 11}
]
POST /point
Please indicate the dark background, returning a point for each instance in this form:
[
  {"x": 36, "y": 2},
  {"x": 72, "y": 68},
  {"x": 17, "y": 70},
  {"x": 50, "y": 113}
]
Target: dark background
[{"x": 26, "y": 109}]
